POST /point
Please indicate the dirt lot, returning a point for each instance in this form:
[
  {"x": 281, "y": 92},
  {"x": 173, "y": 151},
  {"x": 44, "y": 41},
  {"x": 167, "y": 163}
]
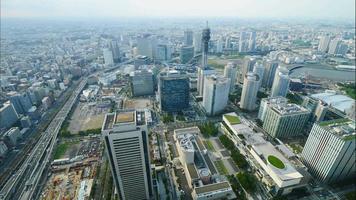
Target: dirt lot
[{"x": 137, "y": 103}]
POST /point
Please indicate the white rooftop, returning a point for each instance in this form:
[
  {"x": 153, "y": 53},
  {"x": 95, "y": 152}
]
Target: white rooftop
[{"x": 338, "y": 101}]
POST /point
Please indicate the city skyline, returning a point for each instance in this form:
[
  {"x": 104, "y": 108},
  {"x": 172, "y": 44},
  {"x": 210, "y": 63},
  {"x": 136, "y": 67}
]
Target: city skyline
[{"x": 319, "y": 9}]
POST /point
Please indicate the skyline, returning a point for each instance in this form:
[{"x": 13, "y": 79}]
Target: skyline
[{"x": 319, "y": 9}]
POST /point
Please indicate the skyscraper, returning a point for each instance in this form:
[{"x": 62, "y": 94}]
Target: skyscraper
[
  {"x": 329, "y": 152},
  {"x": 161, "y": 52},
  {"x": 230, "y": 71},
  {"x": 249, "y": 91},
  {"x": 216, "y": 94},
  {"x": 197, "y": 43},
  {"x": 202, "y": 73},
  {"x": 114, "y": 47},
  {"x": 142, "y": 83},
  {"x": 173, "y": 91},
  {"x": 334, "y": 46},
  {"x": 324, "y": 44},
  {"x": 126, "y": 140},
  {"x": 270, "y": 71},
  {"x": 281, "y": 82},
  {"x": 247, "y": 66},
  {"x": 186, "y": 54},
  {"x": 252, "y": 41},
  {"x": 188, "y": 38},
  {"x": 259, "y": 69},
  {"x": 243, "y": 43},
  {"x": 108, "y": 57},
  {"x": 205, "y": 46}
]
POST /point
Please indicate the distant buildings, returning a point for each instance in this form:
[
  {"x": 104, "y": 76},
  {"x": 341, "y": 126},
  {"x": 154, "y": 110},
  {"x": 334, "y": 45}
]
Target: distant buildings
[
  {"x": 8, "y": 115},
  {"x": 247, "y": 66},
  {"x": 285, "y": 120},
  {"x": 205, "y": 47},
  {"x": 243, "y": 42},
  {"x": 146, "y": 46},
  {"x": 249, "y": 91},
  {"x": 163, "y": 52},
  {"x": 114, "y": 47},
  {"x": 204, "y": 181},
  {"x": 186, "y": 54},
  {"x": 270, "y": 71},
  {"x": 197, "y": 42},
  {"x": 142, "y": 83},
  {"x": 188, "y": 38},
  {"x": 108, "y": 57},
  {"x": 230, "y": 71},
  {"x": 329, "y": 152},
  {"x": 216, "y": 94},
  {"x": 21, "y": 102},
  {"x": 259, "y": 69},
  {"x": 173, "y": 91},
  {"x": 324, "y": 44},
  {"x": 126, "y": 140},
  {"x": 252, "y": 41},
  {"x": 336, "y": 47},
  {"x": 281, "y": 81}
]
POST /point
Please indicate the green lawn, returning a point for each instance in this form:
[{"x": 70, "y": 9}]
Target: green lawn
[
  {"x": 276, "y": 162},
  {"x": 219, "y": 164},
  {"x": 61, "y": 149},
  {"x": 232, "y": 119},
  {"x": 209, "y": 145}
]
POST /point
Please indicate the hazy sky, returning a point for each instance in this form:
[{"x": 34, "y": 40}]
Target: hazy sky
[{"x": 330, "y": 9}]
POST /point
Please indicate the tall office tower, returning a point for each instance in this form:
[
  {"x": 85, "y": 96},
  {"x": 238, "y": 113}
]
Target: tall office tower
[
  {"x": 114, "y": 47},
  {"x": 142, "y": 83},
  {"x": 202, "y": 73},
  {"x": 285, "y": 120},
  {"x": 265, "y": 102},
  {"x": 21, "y": 102},
  {"x": 270, "y": 71},
  {"x": 188, "y": 38},
  {"x": 230, "y": 71},
  {"x": 334, "y": 46},
  {"x": 173, "y": 91},
  {"x": 197, "y": 43},
  {"x": 243, "y": 45},
  {"x": 249, "y": 91},
  {"x": 8, "y": 115},
  {"x": 342, "y": 50},
  {"x": 259, "y": 69},
  {"x": 146, "y": 46},
  {"x": 329, "y": 152},
  {"x": 252, "y": 41},
  {"x": 216, "y": 94},
  {"x": 108, "y": 57},
  {"x": 162, "y": 52},
  {"x": 205, "y": 46},
  {"x": 126, "y": 140},
  {"x": 186, "y": 54},
  {"x": 219, "y": 45},
  {"x": 324, "y": 44},
  {"x": 227, "y": 42},
  {"x": 281, "y": 81},
  {"x": 247, "y": 66}
]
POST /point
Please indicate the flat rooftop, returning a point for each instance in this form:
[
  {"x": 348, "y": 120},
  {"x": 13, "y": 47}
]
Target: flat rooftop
[
  {"x": 344, "y": 128},
  {"x": 288, "y": 108},
  {"x": 125, "y": 117},
  {"x": 133, "y": 116},
  {"x": 212, "y": 187}
]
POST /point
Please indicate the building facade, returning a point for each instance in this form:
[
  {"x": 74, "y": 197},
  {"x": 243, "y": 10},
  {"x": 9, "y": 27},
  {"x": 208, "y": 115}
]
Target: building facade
[
  {"x": 216, "y": 94},
  {"x": 281, "y": 82},
  {"x": 8, "y": 115},
  {"x": 249, "y": 91},
  {"x": 230, "y": 71},
  {"x": 142, "y": 83}
]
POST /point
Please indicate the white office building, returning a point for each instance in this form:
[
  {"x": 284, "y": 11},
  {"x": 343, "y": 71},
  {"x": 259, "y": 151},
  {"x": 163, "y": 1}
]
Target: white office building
[
  {"x": 329, "y": 152},
  {"x": 281, "y": 81},
  {"x": 259, "y": 69},
  {"x": 249, "y": 91},
  {"x": 265, "y": 102},
  {"x": 324, "y": 44},
  {"x": 216, "y": 94},
  {"x": 202, "y": 74},
  {"x": 268, "y": 76},
  {"x": 126, "y": 139},
  {"x": 230, "y": 71}
]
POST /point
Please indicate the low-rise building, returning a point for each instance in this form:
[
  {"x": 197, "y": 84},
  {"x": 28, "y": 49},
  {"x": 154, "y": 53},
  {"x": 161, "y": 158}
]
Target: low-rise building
[{"x": 202, "y": 179}]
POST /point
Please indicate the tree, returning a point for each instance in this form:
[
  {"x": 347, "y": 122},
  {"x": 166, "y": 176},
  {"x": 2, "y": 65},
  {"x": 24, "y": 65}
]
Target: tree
[
  {"x": 208, "y": 129},
  {"x": 247, "y": 180}
]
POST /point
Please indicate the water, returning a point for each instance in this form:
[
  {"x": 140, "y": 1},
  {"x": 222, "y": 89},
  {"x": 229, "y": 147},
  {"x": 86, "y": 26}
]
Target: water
[{"x": 322, "y": 72}]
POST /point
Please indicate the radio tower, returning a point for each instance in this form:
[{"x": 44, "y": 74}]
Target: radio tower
[{"x": 205, "y": 42}]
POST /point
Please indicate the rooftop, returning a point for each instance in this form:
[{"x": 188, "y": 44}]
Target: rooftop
[
  {"x": 288, "y": 108},
  {"x": 124, "y": 117},
  {"x": 338, "y": 101},
  {"x": 232, "y": 118},
  {"x": 344, "y": 128},
  {"x": 212, "y": 187}
]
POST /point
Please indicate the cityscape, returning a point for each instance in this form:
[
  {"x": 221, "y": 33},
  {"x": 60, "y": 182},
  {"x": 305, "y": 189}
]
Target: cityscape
[{"x": 176, "y": 108}]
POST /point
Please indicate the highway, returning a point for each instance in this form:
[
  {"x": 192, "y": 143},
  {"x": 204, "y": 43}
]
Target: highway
[{"x": 23, "y": 183}]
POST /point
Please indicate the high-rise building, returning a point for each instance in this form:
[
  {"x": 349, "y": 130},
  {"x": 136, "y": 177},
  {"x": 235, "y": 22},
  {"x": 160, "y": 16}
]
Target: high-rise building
[
  {"x": 342, "y": 50},
  {"x": 247, "y": 66},
  {"x": 146, "y": 46},
  {"x": 329, "y": 152},
  {"x": 265, "y": 102},
  {"x": 142, "y": 83},
  {"x": 285, "y": 120},
  {"x": 243, "y": 43},
  {"x": 259, "y": 69},
  {"x": 188, "y": 38},
  {"x": 186, "y": 54},
  {"x": 249, "y": 91},
  {"x": 162, "y": 52},
  {"x": 126, "y": 140},
  {"x": 173, "y": 91},
  {"x": 324, "y": 44},
  {"x": 230, "y": 71},
  {"x": 205, "y": 46},
  {"x": 268, "y": 77},
  {"x": 219, "y": 45},
  {"x": 197, "y": 43},
  {"x": 108, "y": 57},
  {"x": 202, "y": 73},
  {"x": 8, "y": 115},
  {"x": 114, "y": 47},
  {"x": 252, "y": 41},
  {"x": 281, "y": 81},
  {"x": 21, "y": 102},
  {"x": 216, "y": 94},
  {"x": 334, "y": 46}
]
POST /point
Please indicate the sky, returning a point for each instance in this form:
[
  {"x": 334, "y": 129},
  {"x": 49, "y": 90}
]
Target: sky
[{"x": 309, "y": 9}]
